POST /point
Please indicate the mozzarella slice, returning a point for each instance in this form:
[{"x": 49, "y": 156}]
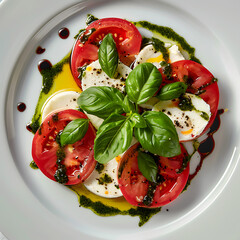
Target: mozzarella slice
[
  {"x": 189, "y": 123},
  {"x": 149, "y": 54},
  {"x": 60, "y": 101},
  {"x": 174, "y": 54},
  {"x": 95, "y": 76}
]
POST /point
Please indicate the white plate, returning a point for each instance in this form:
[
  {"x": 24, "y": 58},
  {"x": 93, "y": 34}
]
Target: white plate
[{"x": 31, "y": 206}]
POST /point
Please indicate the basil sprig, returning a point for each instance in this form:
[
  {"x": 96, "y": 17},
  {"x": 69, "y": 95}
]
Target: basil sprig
[
  {"x": 113, "y": 138},
  {"x": 108, "y": 55},
  {"x": 74, "y": 131},
  {"x": 147, "y": 166},
  {"x": 160, "y": 136},
  {"x": 143, "y": 82},
  {"x": 172, "y": 90},
  {"x": 101, "y": 101}
]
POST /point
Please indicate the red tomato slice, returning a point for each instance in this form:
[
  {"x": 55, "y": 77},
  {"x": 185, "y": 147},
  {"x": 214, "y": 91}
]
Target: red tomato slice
[
  {"x": 135, "y": 186},
  {"x": 198, "y": 79},
  {"x": 79, "y": 157},
  {"x": 126, "y": 35}
]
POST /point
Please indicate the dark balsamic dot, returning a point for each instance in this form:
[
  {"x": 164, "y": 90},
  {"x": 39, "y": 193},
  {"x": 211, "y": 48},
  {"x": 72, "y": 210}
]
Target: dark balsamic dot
[
  {"x": 21, "y": 107},
  {"x": 63, "y": 33}
]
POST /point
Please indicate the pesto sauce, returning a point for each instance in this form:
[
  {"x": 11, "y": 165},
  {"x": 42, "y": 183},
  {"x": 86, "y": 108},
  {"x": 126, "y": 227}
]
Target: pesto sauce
[
  {"x": 168, "y": 33},
  {"x": 185, "y": 104},
  {"x": 49, "y": 74},
  {"x": 60, "y": 174},
  {"x": 90, "y": 19},
  {"x": 104, "y": 179},
  {"x": 99, "y": 167},
  {"x": 33, "y": 165},
  {"x": 48, "y": 78},
  {"x": 100, "y": 209},
  {"x": 158, "y": 45}
]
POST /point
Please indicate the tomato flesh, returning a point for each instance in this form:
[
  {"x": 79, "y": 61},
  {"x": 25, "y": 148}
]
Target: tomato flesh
[
  {"x": 78, "y": 159},
  {"x": 199, "y": 80},
  {"x": 136, "y": 188},
  {"x": 126, "y": 36}
]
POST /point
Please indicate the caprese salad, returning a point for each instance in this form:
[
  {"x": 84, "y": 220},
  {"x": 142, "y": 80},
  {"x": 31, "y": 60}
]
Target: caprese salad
[{"x": 121, "y": 132}]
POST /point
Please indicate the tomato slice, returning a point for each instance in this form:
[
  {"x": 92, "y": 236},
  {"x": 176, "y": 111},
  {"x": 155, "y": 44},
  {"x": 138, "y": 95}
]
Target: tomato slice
[
  {"x": 126, "y": 35},
  {"x": 200, "y": 81},
  {"x": 137, "y": 189},
  {"x": 78, "y": 160}
]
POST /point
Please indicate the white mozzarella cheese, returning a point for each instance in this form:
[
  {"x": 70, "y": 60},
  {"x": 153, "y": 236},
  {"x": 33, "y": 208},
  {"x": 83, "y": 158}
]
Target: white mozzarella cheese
[
  {"x": 96, "y": 121},
  {"x": 149, "y": 54},
  {"x": 95, "y": 76},
  {"x": 150, "y": 103},
  {"x": 189, "y": 124},
  {"x": 60, "y": 101},
  {"x": 174, "y": 54}
]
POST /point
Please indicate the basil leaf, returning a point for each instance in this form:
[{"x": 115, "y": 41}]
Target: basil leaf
[
  {"x": 74, "y": 131},
  {"x": 172, "y": 90},
  {"x": 128, "y": 106},
  {"x": 147, "y": 166},
  {"x": 138, "y": 120},
  {"x": 108, "y": 55},
  {"x": 113, "y": 138},
  {"x": 143, "y": 82},
  {"x": 160, "y": 136},
  {"x": 101, "y": 101}
]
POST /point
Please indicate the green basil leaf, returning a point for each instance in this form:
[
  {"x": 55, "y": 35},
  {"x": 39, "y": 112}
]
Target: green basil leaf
[
  {"x": 108, "y": 55},
  {"x": 172, "y": 90},
  {"x": 101, "y": 101},
  {"x": 113, "y": 138},
  {"x": 160, "y": 136},
  {"x": 128, "y": 106},
  {"x": 147, "y": 166},
  {"x": 74, "y": 131},
  {"x": 138, "y": 120},
  {"x": 143, "y": 82}
]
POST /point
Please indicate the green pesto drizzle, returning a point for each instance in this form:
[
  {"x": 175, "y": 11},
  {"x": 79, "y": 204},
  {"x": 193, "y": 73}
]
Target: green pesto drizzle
[
  {"x": 168, "y": 33},
  {"x": 33, "y": 165},
  {"x": 167, "y": 70},
  {"x": 158, "y": 45},
  {"x": 186, "y": 186},
  {"x": 49, "y": 74},
  {"x": 100, "y": 209},
  {"x": 104, "y": 179},
  {"x": 79, "y": 33},
  {"x": 60, "y": 174},
  {"x": 48, "y": 78},
  {"x": 185, "y": 104},
  {"x": 99, "y": 167},
  {"x": 90, "y": 19}
]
